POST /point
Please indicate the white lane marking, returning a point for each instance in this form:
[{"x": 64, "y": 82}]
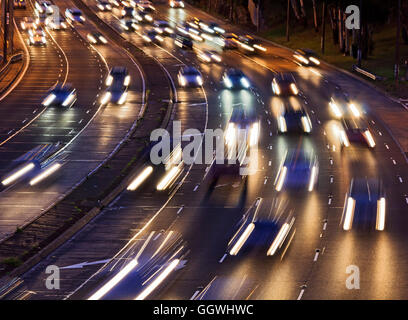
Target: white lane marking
[
  {"x": 400, "y": 179},
  {"x": 386, "y": 145},
  {"x": 223, "y": 258},
  {"x": 195, "y": 295},
  {"x": 394, "y": 162},
  {"x": 330, "y": 201},
  {"x": 266, "y": 179},
  {"x": 316, "y": 256},
  {"x": 379, "y": 132},
  {"x": 300, "y": 294},
  {"x": 196, "y": 187},
  {"x": 324, "y": 226},
  {"x": 180, "y": 209},
  {"x": 269, "y": 163}
]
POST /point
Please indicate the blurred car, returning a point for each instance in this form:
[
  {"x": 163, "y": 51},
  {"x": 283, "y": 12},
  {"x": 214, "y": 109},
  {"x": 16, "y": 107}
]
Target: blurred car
[
  {"x": 37, "y": 37},
  {"x": 28, "y": 23},
  {"x": 208, "y": 56},
  {"x": 294, "y": 120},
  {"x": 104, "y": 5},
  {"x": 129, "y": 24},
  {"x": 43, "y": 6},
  {"x": 230, "y": 41},
  {"x": 190, "y": 77},
  {"x": 354, "y": 130},
  {"x": 259, "y": 231},
  {"x": 242, "y": 121},
  {"x": 74, "y": 15},
  {"x": 183, "y": 42},
  {"x": 61, "y": 96},
  {"x": 212, "y": 28},
  {"x": 176, "y": 4},
  {"x": 163, "y": 27},
  {"x": 152, "y": 36},
  {"x": 142, "y": 268},
  {"x": 96, "y": 38},
  {"x": 117, "y": 84},
  {"x": 234, "y": 78},
  {"x": 41, "y": 18},
  {"x": 284, "y": 84},
  {"x": 58, "y": 23},
  {"x": 114, "y": 3},
  {"x": 19, "y": 4},
  {"x": 145, "y": 6},
  {"x": 118, "y": 75},
  {"x": 341, "y": 106},
  {"x": 307, "y": 57},
  {"x": 365, "y": 204},
  {"x": 144, "y": 17},
  {"x": 250, "y": 44},
  {"x": 298, "y": 170},
  {"x": 128, "y": 12}
]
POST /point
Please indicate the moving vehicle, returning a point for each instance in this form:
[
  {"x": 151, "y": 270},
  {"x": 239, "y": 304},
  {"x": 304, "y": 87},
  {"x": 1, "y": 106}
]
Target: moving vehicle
[
  {"x": 176, "y": 4},
  {"x": 294, "y": 120},
  {"x": 190, "y": 77},
  {"x": 19, "y": 4},
  {"x": 354, "y": 130},
  {"x": 61, "y": 96},
  {"x": 74, "y": 15},
  {"x": 298, "y": 170},
  {"x": 183, "y": 42},
  {"x": 306, "y": 57},
  {"x": 28, "y": 23},
  {"x": 365, "y": 204},
  {"x": 284, "y": 84},
  {"x": 104, "y": 5},
  {"x": 234, "y": 78},
  {"x": 58, "y": 23},
  {"x": 208, "y": 56},
  {"x": 152, "y": 36},
  {"x": 37, "y": 37},
  {"x": 96, "y": 38}
]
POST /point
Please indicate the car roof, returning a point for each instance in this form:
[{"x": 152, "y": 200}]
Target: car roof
[
  {"x": 234, "y": 72},
  {"x": 118, "y": 69},
  {"x": 284, "y": 77},
  {"x": 190, "y": 69}
]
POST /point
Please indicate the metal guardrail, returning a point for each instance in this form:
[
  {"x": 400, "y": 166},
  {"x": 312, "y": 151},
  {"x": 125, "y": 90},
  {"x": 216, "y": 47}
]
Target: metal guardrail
[{"x": 368, "y": 74}]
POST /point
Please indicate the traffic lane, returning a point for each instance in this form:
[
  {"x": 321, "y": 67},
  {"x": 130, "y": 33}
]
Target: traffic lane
[
  {"x": 55, "y": 125},
  {"x": 86, "y": 153},
  {"x": 47, "y": 66}
]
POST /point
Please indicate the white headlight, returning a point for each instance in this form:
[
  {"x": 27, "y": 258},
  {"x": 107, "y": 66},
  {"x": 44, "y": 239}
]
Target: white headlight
[
  {"x": 50, "y": 98},
  {"x": 109, "y": 80},
  {"x": 122, "y": 98},
  {"x": 127, "y": 80},
  {"x": 199, "y": 80},
  {"x": 68, "y": 100},
  {"x": 106, "y": 98},
  {"x": 244, "y": 82},
  {"x": 227, "y": 82}
]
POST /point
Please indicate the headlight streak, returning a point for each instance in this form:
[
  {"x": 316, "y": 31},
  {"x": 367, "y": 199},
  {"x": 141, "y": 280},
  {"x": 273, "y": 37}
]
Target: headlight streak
[
  {"x": 114, "y": 281},
  {"x": 259, "y": 47},
  {"x": 380, "y": 221},
  {"x": 122, "y": 98},
  {"x": 282, "y": 177},
  {"x": 335, "y": 108},
  {"x": 140, "y": 178},
  {"x": 348, "y": 218},
  {"x": 282, "y": 124},
  {"x": 244, "y": 237},
  {"x": 301, "y": 59},
  {"x": 313, "y": 179},
  {"x": 277, "y": 242},
  {"x": 314, "y": 60},
  {"x": 68, "y": 100},
  {"x": 109, "y": 80},
  {"x": 49, "y": 99},
  {"x": 126, "y": 82},
  {"x": 244, "y": 82},
  {"x": 369, "y": 138},
  {"x": 18, "y": 174},
  {"x": 306, "y": 124},
  {"x": 168, "y": 178},
  {"x": 106, "y": 97},
  {"x": 227, "y": 82},
  {"x": 254, "y": 134},
  {"x": 156, "y": 282},
  {"x": 199, "y": 80},
  {"x": 46, "y": 173},
  {"x": 294, "y": 89},
  {"x": 354, "y": 110}
]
